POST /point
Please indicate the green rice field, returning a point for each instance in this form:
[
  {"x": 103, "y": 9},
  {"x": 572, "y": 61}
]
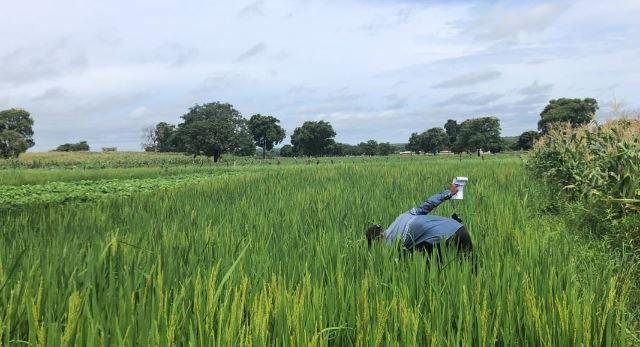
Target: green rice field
[{"x": 276, "y": 255}]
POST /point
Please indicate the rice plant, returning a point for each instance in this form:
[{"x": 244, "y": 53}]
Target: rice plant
[{"x": 277, "y": 257}]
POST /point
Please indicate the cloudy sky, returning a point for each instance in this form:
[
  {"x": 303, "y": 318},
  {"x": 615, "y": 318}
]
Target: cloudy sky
[{"x": 102, "y": 70}]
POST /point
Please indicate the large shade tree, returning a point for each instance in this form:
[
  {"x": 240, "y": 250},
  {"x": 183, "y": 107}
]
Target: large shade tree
[
  {"x": 479, "y": 133},
  {"x": 313, "y": 138},
  {"x": 564, "y": 110},
  {"x": 266, "y": 132},
  {"x": 369, "y": 148},
  {"x": 434, "y": 140},
  {"x": 16, "y": 132},
  {"x": 415, "y": 143},
  {"x": 211, "y": 129},
  {"x": 243, "y": 144}
]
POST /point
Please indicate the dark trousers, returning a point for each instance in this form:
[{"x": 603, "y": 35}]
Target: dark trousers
[{"x": 460, "y": 239}]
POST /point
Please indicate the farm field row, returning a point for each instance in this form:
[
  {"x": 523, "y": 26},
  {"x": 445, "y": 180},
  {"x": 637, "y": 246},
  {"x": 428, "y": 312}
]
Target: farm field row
[
  {"x": 58, "y": 192},
  {"x": 106, "y": 160},
  {"x": 18, "y": 177},
  {"x": 278, "y": 257}
]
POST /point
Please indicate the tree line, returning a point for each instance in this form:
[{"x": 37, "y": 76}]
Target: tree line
[
  {"x": 217, "y": 128},
  {"x": 214, "y": 129},
  {"x": 484, "y": 133}
]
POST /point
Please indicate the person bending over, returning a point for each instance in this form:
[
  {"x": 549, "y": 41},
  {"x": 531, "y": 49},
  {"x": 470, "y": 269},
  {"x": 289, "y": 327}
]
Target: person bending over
[{"x": 417, "y": 230}]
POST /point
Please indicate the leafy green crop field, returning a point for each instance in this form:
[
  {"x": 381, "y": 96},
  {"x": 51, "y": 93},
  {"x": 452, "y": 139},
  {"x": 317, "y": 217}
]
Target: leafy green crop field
[
  {"x": 21, "y": 196},
  {"x": 277, "y": 256}
]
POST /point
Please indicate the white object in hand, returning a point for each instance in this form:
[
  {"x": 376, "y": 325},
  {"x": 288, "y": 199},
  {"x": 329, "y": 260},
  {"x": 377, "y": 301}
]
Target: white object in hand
[{"x": 460, "y": 182}]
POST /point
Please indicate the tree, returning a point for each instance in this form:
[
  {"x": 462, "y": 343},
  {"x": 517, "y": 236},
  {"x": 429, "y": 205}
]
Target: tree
[
  {"x": 342, "y": 149},
  {"x": 479, "y": 133},
  {"x": 243, "y": 144},
  {"x": 313, "y": 138},
  {"x": 353, "y": 150},
  {"x": 527, "y": 139},
  {"x": 73, "y": 147},
  {"x": 415, "y": 143},
  {"x": 166, "y": 137},
  {"x": 149, "y": 139},
  {"x": 16, "y": 132},
  {"x": 385, "y": 148},
  {"x": 434, "y": 140},
  {"x": 368, "y": 148},
  {"x": 565, "y": 110},
  {"x": 452, "y": 127},
  {"x": 159, "y": 138},
  {"x": 210, "y": 129},
  {"x": 265, "y": 131},
  {"x": 286, "y": 151}
]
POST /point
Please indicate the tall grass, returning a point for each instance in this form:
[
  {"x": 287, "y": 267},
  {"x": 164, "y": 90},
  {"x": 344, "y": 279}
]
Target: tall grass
[{"x": 279, "y": 258}]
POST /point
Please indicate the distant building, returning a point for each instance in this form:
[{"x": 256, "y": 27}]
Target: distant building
[{"x": 406, "y": 153}]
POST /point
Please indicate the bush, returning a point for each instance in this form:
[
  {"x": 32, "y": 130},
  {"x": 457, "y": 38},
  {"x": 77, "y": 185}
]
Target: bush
[
  {"x": 81, "y": 146},
  {"x": 597, "y": 167},
  {"x": 286, "y": 151}
]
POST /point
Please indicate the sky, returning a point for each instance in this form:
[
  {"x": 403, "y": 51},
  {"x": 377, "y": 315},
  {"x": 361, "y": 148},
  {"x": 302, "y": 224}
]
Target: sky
[{"x": 101, "y": 71}]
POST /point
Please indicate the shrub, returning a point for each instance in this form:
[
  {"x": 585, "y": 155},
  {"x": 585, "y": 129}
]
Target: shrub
[
  {"x": 81, "y": 146},
  {"x": 597, "y": 167}
]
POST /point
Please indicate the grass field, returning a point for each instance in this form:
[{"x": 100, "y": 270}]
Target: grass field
[{"x": 276, "y": 255}]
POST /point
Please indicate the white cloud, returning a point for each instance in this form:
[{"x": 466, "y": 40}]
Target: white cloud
[
  {"x": 255, "y": 8},
  {"x": 254, "y": 50},
  {"x": 99, "y": 71},
  {"x": 536, "y": 88},
  {"x": 139, "y": 112},
  {"x": 502, "y": 21},
  {"x": 468, "y": 79}
]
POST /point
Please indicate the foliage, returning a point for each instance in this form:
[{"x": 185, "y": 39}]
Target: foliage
[
  {"x": 313, "y": 138},
  {"x": 368, "y": 148},
  {"x": 166, "y": 139},
  {"x": 338, "y": 149},
  {"x": 73, "y": 147},
  {"x": 573, "y": 111},
  {"x": 415, "y": 143},
  {"x": 109, "y": 149},
  {"x": 479, "y": 133},
  {"x": 211, "y": 129},
  {"x": 385, "y": 148},
  {"x": 434, "y": 140},
  {"x": 17, "y": 177},
  {"x": 597, "y": 166},
  {"x": 195, "y": 265},
  {"x": 452, "y": 127},
  {"x": 266, "y": 131},
  {"x": 16, "y": 132},
  {"x": 64, "y": 192},
  {"x": 100, "y": 160},
  {"x": 526, "y": 140},
  {"x": 286, "y": 151},
  {"x": 243, "y": 144}
]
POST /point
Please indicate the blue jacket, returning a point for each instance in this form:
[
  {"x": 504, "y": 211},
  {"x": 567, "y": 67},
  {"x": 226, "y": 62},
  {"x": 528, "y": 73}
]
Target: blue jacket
[{"x": 417, "y": 226}]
